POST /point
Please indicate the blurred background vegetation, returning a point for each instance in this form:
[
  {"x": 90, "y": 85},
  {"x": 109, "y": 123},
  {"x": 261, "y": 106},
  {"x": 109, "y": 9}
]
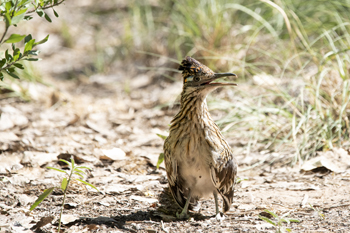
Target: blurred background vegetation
[{"x": 292, "y": 58}]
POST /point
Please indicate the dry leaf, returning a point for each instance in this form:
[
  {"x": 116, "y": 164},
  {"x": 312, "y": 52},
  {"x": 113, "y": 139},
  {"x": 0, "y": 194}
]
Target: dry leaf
[
  {"x": 10, "y": 163},
  {"x": 144, "y": 199},
  {"x": 68, "y": 218},
  {"x": 337, "y": 160},
  {"x": 113, "y": 154},
  {"x": 8, "y": 137},
  {"x": 38, "y": 158},
  {"x": 43, "y": 221}
]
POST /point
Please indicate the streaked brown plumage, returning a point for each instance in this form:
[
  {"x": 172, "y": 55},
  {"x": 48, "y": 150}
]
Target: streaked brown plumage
[{"x": 198, "y": 160}]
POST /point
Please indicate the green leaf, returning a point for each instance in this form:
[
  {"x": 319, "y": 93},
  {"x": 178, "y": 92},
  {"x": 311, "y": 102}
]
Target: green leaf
[
  {"x": 57, "y": 169},
  {"x": 88, "y": 184},
  {"x": 80, "y": 167},
  {"x": 23, "y": 2},
  {"x": 42, "y": 2},
  {"x": 40, "y": 12},
  {"x": 18, "y": 65},
  {"x": 19, "y": 15},
  {"x": 16, "y": 54},
  {"x": 2, "y": 62},
  {"x": 29, "y": 46},
  {"x": 266, "y": 220},
  {"x": 272, "y": 213},
  {"x": 8, "y": 56},
  {"x": 284, "y": 220},
  {"x": 34, "y": 52},
  {"x": 80, "y": 171},
  {"x": 20, "y": 12},
  {"x": 288, "y": 229},
  {"x": 55, "y": 13},
  {"x": 8, "y": 6},
  {"x": 72, "y": 161},
  {"x": 31, "y": 59},
  {"x": 161, "y": 136},
  {"x": 77, "y": 173},
  {"x": 293, "y": 220},
  {"x": 1, "y": 76},
  {"x": 11, "y": 69},
  {"x": 13, "y": 75},
  {"x": 48, "y": 18},
  {"x": 8, "y": 20},
  {"x": 65, "y": 161},
  {"x": 64, "y": 184},
  {"x": 160, "y": 160},
  {"x": 27, "y": 17},
  {"x": 46, "y": 193},
  {"x": 27, "y": 39},
  {"x": 42, "y": 41},
  {"x": 17, "y": 19},
  {"x": 14, "y": 38}
]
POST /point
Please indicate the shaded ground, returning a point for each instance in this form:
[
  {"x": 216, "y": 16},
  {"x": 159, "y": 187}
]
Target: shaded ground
[
  {"x": 133, "y": 198},
  {"x": 93, "y": 113}
]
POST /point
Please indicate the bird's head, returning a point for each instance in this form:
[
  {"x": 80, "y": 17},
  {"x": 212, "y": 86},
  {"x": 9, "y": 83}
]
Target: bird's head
[{"x": 198, "y": 77}]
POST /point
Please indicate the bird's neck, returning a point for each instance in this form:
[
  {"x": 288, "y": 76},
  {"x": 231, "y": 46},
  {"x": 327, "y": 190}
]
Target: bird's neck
[
  {"x": 194, "y": 110},
  {"x": 194, "y": 119}
]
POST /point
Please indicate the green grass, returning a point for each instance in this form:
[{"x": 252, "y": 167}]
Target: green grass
[{"x": 12, "y": 87}]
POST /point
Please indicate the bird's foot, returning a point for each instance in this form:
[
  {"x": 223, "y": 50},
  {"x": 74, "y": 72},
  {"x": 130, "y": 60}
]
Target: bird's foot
[
  {"x": 220, "y": 217},
  {"x": 182, "y": 215}
]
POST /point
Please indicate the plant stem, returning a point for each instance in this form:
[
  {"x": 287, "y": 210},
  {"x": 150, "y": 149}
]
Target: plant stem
[
  {"x": 46, "y": 7},
  {"x": 3, "y": 35},
  {"x": 64, "y": 198},
  {"x": 7, "y": 26}
]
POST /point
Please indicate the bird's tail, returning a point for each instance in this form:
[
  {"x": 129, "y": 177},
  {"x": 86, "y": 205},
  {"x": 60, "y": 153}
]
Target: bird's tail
[
  {"x": 227, "y": 197},
  {"x": 181, "y": 197}
]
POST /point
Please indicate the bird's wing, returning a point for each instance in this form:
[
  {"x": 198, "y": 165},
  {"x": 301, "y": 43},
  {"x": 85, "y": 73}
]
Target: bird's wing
[
  {"x": 171, "y": 171},
  {"x": 223, "y": 175},
  {"x": 174, "y": 178}
]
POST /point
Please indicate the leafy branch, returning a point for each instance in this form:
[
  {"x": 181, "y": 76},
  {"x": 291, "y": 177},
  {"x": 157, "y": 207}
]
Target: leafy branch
[
  {"x": 13, "y": 12},
  {"x": 47, "y": 5}
]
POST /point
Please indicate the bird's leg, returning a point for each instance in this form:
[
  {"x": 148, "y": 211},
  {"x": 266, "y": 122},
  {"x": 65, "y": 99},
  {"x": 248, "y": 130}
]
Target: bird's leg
[
  {"x": 218, "y": 214},
  {"x": 216, "y": 202},
  {"x": 183, "y": 214}
]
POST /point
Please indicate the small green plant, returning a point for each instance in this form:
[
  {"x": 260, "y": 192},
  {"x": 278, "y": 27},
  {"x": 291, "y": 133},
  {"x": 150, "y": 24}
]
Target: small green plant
[
  {"x": 74, "y": 170},
  {"x": 161, "y": 155},
  {"x": 318, "y": 211},
  {"x": 239, "y": 180},
  {"x": 279, "y": 221},
  {"x": 12, "y": 12}
]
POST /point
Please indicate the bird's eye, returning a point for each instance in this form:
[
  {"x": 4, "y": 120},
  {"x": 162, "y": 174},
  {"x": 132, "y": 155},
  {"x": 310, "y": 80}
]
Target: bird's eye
[{"x": 196, "y": 79}]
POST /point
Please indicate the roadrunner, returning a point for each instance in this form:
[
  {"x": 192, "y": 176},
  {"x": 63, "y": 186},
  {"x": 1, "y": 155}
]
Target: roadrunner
[{"x": 198, "y": 160}]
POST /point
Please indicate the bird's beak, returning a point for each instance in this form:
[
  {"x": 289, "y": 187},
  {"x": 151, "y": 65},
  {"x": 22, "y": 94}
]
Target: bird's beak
[
  {"x": 208, "y": 82},
  {"x": 220, "y": 75}
]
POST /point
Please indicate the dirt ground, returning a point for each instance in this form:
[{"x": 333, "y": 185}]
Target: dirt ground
[
  {"x": 87, "y": 120},
  {"x": 96, "y": 118}
]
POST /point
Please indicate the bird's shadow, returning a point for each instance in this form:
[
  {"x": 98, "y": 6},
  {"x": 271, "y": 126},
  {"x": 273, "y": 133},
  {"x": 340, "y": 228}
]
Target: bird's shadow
[
  {"x": 168, "y": 209},
  {"x": 165, "y": 212}
]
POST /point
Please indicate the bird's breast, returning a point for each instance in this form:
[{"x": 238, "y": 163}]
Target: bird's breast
[
  {"x": 194, "y": 157},
  {"x": 195, "y": 172}
]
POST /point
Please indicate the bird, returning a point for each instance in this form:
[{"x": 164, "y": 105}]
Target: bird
[{"x": 198, "y": 160}]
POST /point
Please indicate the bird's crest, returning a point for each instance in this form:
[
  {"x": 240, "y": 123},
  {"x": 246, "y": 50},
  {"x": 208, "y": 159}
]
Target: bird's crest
[{"x": 192, "y": 67}]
